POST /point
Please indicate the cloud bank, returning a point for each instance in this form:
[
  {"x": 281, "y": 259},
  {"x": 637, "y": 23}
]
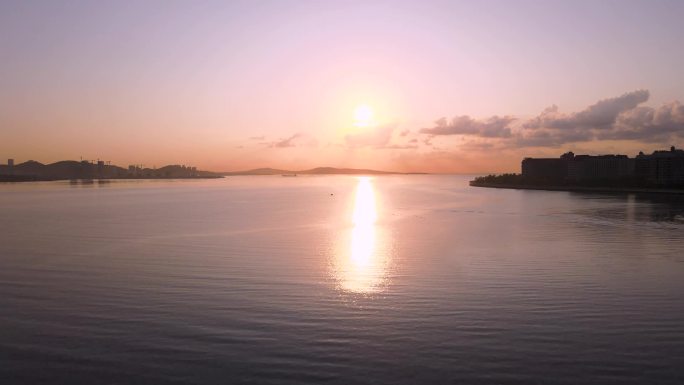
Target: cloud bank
[
  {"x": 494, "y": 127},
  {"x": 617, "y": 118}
]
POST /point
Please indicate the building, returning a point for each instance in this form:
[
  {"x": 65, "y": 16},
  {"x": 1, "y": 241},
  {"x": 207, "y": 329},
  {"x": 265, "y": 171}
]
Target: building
[
  {"x": 600, "y": 167},
  {"x": 545, "y": 168},
  {"x": 663, "y": 168},
  {"x": 134, "y": 170},
  {"x": 10, "y": 166},
  {"x": 579, "y": 168}
]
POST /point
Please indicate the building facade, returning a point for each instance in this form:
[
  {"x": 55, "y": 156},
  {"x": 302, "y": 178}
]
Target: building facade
[
  {"x": 664, "y": 168},
  {"x": 587, "y": 167},
  {"x": 545, "y": 168}
]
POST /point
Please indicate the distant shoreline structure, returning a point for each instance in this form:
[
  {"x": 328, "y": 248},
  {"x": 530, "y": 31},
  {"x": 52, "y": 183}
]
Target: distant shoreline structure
[
  {"x": 32, "y": 171},
  {"x": 659, "y": 172}
]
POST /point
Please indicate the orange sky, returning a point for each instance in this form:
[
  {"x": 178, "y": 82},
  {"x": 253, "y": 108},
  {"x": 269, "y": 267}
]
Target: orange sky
[{"x": 279, "y": 84}]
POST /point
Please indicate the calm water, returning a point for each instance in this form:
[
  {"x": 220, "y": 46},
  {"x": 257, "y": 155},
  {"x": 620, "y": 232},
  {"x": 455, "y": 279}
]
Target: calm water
[{"x": 341, "y": 280}]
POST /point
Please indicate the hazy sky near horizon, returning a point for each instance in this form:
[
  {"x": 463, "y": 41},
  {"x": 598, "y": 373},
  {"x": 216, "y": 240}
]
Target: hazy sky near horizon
[{"x": 441, "y": 85}]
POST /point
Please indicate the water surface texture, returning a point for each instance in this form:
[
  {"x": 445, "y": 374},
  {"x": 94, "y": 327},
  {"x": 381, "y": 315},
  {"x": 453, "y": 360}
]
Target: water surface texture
[{"x": 337, "y": 279}]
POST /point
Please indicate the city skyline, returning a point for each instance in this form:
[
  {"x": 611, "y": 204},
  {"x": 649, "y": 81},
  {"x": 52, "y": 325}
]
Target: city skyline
[{"x": 431, "y": 87}]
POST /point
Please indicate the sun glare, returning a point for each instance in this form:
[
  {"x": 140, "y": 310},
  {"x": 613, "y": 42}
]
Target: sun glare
[
  {"x": 361, "y": 265},
  {"x": 363, "y": 115}
]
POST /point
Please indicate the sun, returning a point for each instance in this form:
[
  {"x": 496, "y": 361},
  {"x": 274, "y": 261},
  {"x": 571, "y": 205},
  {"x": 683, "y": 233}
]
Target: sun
[{"x": 363, "y": 115}]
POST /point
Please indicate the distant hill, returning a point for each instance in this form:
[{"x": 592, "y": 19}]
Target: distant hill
[
  {"x": 71, "y": 169},
  {"x": 259, "y": 171},
  {"x": 313, "y": 171}
]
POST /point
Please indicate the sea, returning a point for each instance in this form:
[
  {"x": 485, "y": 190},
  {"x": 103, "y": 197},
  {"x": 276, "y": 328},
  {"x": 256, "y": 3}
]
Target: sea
[{"x": 392, "y": 279}]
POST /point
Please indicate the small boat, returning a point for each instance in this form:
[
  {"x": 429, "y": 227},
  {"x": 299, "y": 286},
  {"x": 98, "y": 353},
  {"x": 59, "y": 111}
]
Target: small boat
[{"x": 289, "y": 174}]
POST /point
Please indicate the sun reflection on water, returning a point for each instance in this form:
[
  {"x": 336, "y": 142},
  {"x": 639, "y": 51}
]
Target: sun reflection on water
[{"x": 361, "y": 262}]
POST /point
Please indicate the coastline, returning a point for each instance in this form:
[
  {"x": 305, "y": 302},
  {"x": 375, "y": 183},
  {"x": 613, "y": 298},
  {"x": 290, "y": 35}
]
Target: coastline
[
  {"x": 623, "y": 190},
  {"x": 29, "y": 178}
]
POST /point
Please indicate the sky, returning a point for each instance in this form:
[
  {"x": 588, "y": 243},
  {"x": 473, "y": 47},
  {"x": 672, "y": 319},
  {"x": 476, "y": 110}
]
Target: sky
[{"x": 433, "y": 86}]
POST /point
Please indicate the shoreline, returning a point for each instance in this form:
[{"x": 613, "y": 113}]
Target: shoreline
[
  {"x": 621, "y": 190},
  {"x": 28, "y": 179}
]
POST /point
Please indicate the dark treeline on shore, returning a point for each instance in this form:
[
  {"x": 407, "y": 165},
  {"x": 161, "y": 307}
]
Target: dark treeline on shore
[{"x": 71, "y": 169}]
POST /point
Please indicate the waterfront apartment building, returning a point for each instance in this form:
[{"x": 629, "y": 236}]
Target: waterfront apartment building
[
  {"x": 545, "y": 168},
  {"x": 661, "y": 167},
  {"x": 587, "y": 167}
]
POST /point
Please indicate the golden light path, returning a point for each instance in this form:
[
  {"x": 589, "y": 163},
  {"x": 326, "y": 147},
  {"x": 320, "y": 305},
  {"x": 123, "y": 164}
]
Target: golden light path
[{"x": 362, "y": 266}]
